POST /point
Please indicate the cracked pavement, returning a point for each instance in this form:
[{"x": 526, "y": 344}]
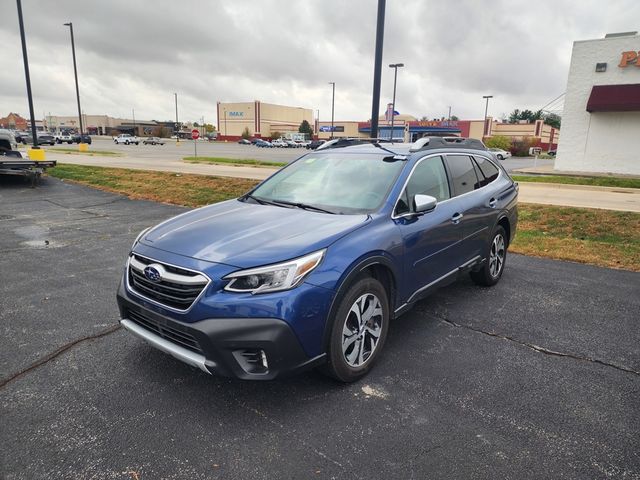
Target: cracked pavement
[{"x": 536, "y": 377}]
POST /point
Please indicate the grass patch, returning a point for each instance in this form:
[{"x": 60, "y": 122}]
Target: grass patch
[
  {"x": 595, "y": 181},
  {"x": 91, "y": 153},
  {"x": 599, "y": 237},
  {"x": 234, "y": 161},
  {"x": 167, "y": 187}
]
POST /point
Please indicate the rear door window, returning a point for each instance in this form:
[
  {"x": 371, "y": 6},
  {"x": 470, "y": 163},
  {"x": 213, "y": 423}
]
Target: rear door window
[
  {"x": 463, "y": 174},
  {"x": 488, "y": 169}
]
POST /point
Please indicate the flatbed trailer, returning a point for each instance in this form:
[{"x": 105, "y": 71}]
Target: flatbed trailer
[{"x": 31, "y": 169}]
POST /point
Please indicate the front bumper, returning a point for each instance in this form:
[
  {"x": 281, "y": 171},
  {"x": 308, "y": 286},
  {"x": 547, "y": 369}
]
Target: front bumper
[{"x": 245, "y": 348}]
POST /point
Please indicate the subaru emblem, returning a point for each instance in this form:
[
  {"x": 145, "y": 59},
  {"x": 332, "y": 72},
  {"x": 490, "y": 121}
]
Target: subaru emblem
[{"x": 152, "y": 274}]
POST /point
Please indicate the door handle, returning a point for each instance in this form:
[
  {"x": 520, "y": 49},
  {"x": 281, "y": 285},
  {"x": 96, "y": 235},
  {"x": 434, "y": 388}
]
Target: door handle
[
  {"x": 492, "y": 202},
  {"x": 456, "y": 218}
]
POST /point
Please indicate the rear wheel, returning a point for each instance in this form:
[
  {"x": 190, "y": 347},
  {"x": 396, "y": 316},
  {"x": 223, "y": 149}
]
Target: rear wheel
[
  {"x": 359, "y": 330},
  {"x": 500, "y": 157},
  {"x": 127, "y": 142},
  {"x": 495, "y": 259}
]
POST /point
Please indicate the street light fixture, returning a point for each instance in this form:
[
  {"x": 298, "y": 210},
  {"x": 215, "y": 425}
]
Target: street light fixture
[
  {"x": 486, "y": 109},
  {"x": 395, "y": 67},
  {"x": 75, "y": 74},
  {"x": 333, "y": 101}
]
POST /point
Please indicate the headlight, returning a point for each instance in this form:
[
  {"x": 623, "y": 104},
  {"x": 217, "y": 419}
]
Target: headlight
[
  {"x": 140, "y": 235},
  {"x": 273, "y": 278}
]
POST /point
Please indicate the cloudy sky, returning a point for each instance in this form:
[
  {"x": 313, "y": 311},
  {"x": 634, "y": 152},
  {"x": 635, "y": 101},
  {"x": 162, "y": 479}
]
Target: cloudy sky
[{"x": 135, "y": 54}]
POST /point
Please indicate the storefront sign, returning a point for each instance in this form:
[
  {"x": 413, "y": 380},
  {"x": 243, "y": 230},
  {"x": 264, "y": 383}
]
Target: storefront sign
[
  {"x": 236, "y": 114},
  {"x": 629, "y": 58}
]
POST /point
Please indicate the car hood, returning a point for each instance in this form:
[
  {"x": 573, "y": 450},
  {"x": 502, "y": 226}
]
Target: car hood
[{"x": 246, "y": 235}]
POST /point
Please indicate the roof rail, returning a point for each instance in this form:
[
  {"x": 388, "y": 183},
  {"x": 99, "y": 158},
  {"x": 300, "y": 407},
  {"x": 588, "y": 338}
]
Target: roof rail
[
  {"x": 349, "y": 141},
  {"x": 426, "y": 143}
]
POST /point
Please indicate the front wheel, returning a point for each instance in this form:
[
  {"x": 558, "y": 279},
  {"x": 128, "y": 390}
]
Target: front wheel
[
  {"x": 500, "y": 157},
  {"x": 495, "y": 258},
  {"x": 359, "y": 330}
]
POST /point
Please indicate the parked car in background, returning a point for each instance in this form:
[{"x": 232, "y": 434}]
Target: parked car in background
[
  {"x": 63, "y": 138},
  {"x": 126, "y": 139},
  {"x": 7, "y": 140},
  {"x": 310, "y": 266},
  {"x": 81, "y": 139},
  {"x": 279, "y": 142},
  {"x": 552, "y": 153},
  {"x": 501, "y": 154},
  {"x": 264, "y": 144},
  {"x": 152, "y": 141},
  {"x": 46, "y": 139},
  {"x": 244, "y": 141},
  {"x": 312, "y": 145}
]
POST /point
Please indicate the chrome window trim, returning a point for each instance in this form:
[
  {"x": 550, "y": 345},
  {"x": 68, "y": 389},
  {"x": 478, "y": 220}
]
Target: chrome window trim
[
  {"x": 155, "y": 302},
  {"x": 405, "y": 215}
]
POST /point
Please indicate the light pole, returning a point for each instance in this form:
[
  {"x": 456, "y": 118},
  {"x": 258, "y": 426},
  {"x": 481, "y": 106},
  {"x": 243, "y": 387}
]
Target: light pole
[
  {"x": 486, "y": 109},
  {"x": 133, "y": 112},
  {"x": 225, "y": 124},
  {"x": 395, "y": 67},
  {"x": 377, "y": 69},
  {"x": 34, "y": 135},
  {"x": 449, "y": 117},
  {"x": 175, "y": 95},
  {"x": 333, "y": 101},
  {"x": 75, "y": 74}
]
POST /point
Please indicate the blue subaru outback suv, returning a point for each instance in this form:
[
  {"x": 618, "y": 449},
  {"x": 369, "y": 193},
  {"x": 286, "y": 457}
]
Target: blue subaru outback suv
[{"x": 310, "y": 266}]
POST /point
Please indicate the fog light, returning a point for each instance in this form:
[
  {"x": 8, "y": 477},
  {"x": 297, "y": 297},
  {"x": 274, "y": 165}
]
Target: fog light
[{"x": 253, "y": 361}]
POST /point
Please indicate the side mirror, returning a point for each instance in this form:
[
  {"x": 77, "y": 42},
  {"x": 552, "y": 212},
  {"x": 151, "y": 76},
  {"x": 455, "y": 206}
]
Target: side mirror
[{"x": 424, "y": 203}]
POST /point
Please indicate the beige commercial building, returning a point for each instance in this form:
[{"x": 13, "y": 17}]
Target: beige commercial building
[{"x": 259, "y": 118}]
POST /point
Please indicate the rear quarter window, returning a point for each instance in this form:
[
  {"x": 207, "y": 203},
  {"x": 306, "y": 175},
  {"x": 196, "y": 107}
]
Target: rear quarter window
[{"x": 488, "y": 169}]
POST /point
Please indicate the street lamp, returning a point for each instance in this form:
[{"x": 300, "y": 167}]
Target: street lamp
[
  {"x": 34, "y": 135},
  {"x": 175, "y": 95},
  {"x": 333, "y": 101},
  {"x": 395, "y": 67},
  {"x": 486, "y": 109},
  {"x": 75, "y": 74}
]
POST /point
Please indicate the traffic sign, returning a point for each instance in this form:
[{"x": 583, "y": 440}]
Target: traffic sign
[{"x": 195, "y": 134}]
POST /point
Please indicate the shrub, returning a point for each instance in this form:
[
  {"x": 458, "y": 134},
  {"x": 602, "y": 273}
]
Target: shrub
[
  {"x": 520, "y": 147},
  {"x": 245, "y": 133},
  {"x": 498, "y": 141}
]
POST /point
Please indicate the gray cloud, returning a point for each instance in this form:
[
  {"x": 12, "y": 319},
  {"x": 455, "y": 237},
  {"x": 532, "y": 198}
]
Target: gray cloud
[{"x": 136, "y": 54}]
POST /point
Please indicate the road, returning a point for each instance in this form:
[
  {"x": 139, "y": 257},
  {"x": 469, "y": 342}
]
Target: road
[
  {"x": 169, "y": 158},
  {"x": 536, "y": 377}
]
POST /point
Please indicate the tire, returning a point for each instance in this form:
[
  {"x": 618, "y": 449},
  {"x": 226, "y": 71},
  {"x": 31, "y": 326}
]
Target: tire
[
  {"x": 500, "y": 157},
  {"x": 137, "y": 143},
  {"x": 349, "y": 360},
  {"x": 496, "y": 256},
  {"x": 127, "y": 142}
]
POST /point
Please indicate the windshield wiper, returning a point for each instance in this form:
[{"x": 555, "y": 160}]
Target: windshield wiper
[
  {"x": 261, "y": 201},
  {"x": 303, "y": 206}
]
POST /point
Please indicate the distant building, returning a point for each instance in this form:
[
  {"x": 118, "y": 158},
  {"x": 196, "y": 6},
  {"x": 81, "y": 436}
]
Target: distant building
[
  {"x": 101, "y": 125},
  {"x": 260, "y": 119},
  {"x": 13, "y": 121},
  {"x": 601, "y": 119}
]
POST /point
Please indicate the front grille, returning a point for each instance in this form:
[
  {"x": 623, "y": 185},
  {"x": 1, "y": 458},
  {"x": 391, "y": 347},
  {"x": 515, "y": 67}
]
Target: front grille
[
  {"x": 177, "y": 288},
  {"x": 179, "y": 337}
]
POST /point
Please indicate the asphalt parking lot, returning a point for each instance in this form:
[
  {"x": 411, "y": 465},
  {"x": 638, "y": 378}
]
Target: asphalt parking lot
[{"x": 538, "y": 377}]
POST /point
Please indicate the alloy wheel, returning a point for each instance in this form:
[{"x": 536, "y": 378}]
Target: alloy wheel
[
  {"x": 496, "y": 256},
  {"x": 362, "y": 329}
]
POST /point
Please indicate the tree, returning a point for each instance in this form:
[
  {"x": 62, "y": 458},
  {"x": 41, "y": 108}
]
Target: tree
[
  {"x": 275, "y": 135},
  {"x": 210, "y": 128},
  {"x": 498, "y": 141},
  {"x": 514, "y": 116},
  {"x": 195, "y": 124},
  {"x": 306, "y": 129},
  {"x": 553, "y": 120},
  {"x": 246, "y": 134},
  {"x": 454, "y": 118}
]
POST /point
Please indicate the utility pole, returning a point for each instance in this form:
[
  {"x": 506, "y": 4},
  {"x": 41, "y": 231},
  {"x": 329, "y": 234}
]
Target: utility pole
[
  {"x": 177, "y": 130},
  {"x": 449, "y": 117},
  {"x": 27, "y": 77},
  {"x": 133, "y": 112},
  {"x": 377, "y": 70},
  {"x": 395, "y": 66},
  {"x": 75, "y": 74},
  {"x": 486, "y": 109},
  {"x": 333, "y": 102}
]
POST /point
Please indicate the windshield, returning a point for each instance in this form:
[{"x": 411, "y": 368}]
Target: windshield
[{"x": 339, "y": 183}]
